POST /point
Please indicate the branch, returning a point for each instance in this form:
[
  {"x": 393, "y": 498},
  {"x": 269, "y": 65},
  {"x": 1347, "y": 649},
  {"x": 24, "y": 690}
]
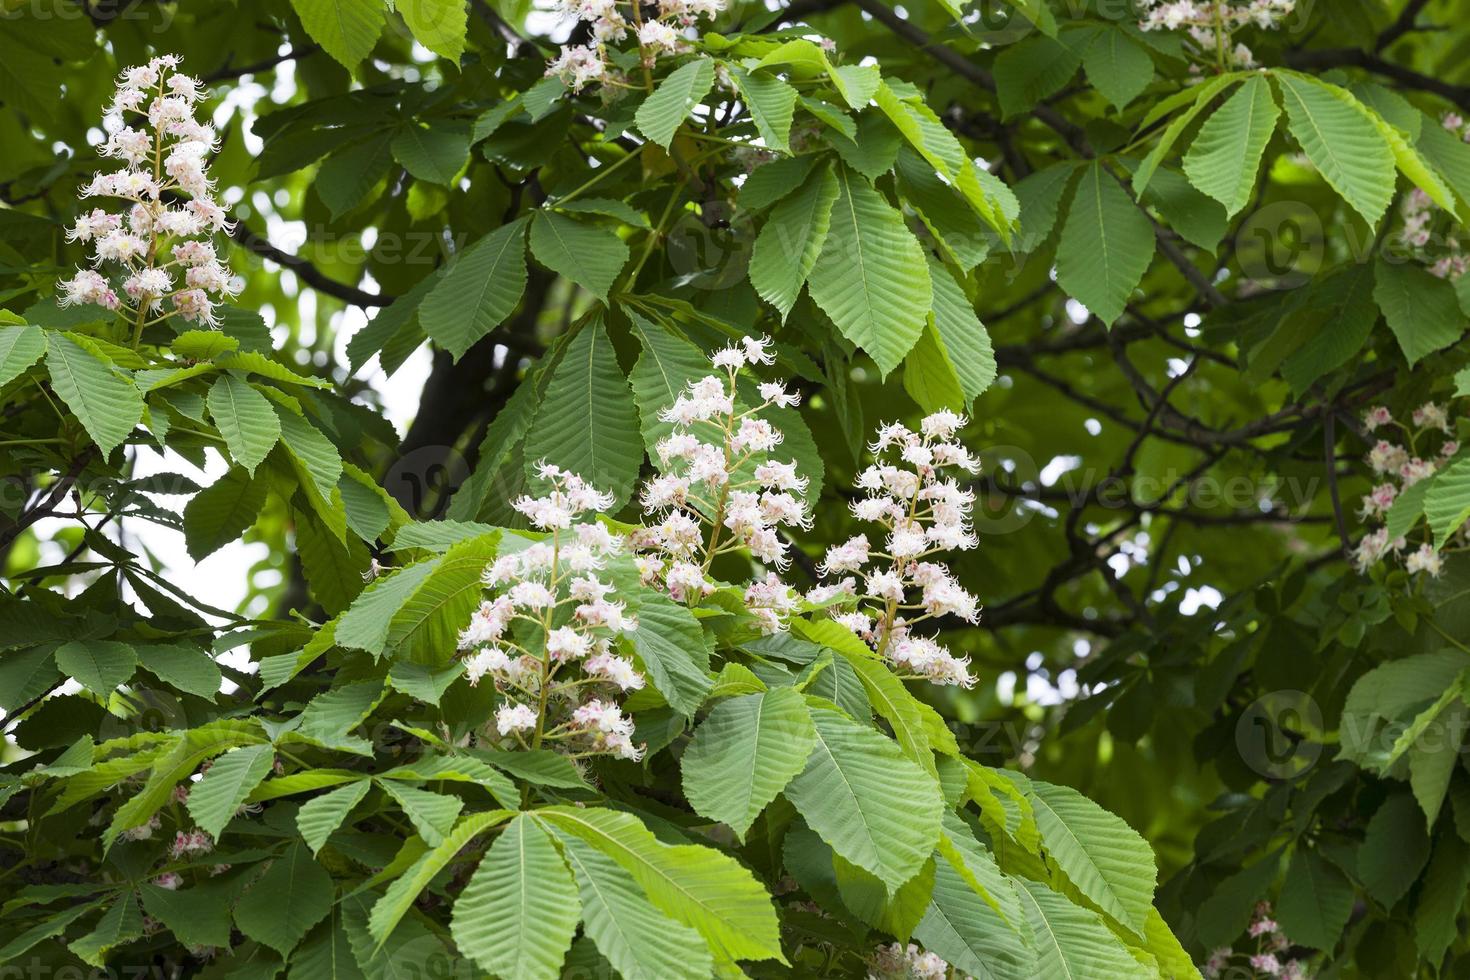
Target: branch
[
  {"x": 227, "y": 73},
  {"x": 309, "y": 273},
  {"x": 1325, "y": 58}
]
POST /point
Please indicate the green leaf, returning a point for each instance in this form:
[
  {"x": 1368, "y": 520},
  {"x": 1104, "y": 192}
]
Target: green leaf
[
  {"x": 327, "y": 953},
  {"x": 345, "y": 177},
  {"x": 1106, "y": 245},
  {"x": 1447, "y": 501},
  {"x": 1316, "y": 900},
  {"x": 671, "y": 646},
  {"x": 320, "y": 816},
  {"x": 963, "y": 335},
  {"x": 695, "y": 885},
  {"x": 791, "y": 240},
  {"x": 961, "y": 927},
  {"x": 346, "y": 29},
  {"x": 364, "y": 626},
  {"x": 772, "y": 181},
  {"x": 19, "y": 348},
  {"x": 438, "y": 25},
  {"x": 675, "y": 97},
  {"x": 1028, "y": 72},
  {"x": 871, "y": 804},
  {"x": 896, "y": 912},
  {"x": 871, "y": 277},
  {"x": 233, "y": 776},
  {"x": 589, "y": 255},
  {"x": 1421, "y": 309},
  {"x": 772, "y": 105},
  {"x": 1074, "y": 942},
  {"x": 637, "y": 939},
  {"x": 101, "y": 666},
  {"x": 479, "y": 291},
  {"x": 120, "y": 924},
  {"x": 1394, "y": 850},
  {"x": 196, "y": 916},
  {"x": 1437, "y": 910},
  {"x": 956, "y": 228},
  {"x": 667, "y": 364},
  {"x": 107, "y": 405},
  {"x": 436, "y": 151},
  {"x": 187, "y": 668},
  {"x": 587, "y": 422},
  {"x": 1198, "y": 97},
  {"x": 25, "y": 674},
  {"x": 423, "y": 681},
  {"x": 245, "y": 418},
  {"x": 396, "y": 901},
  {"x": 543, "y": 767},
  {"x": 1104, "y": 857},
  {"x": 221, "y": 512},
  {"x": 1224, "y": 158},
  {"x": 294, "y": 894},
  {"x": 517, "y": 915},
  {"x": 1117, "y": 66},
  {"x": 1341, "y": 139},
  {"x": 432, "y": 814},
  {"x": 744, "y": 753}
]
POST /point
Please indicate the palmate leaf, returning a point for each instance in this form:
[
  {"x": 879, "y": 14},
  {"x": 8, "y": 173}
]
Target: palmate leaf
[
  {"x": 186, "y": 668},
  {"x": 438, "y": 25},
  {"x": 1421, "y": 308},
  {"x": 1437, "y": 911},
  {"x": 245, "y": 418},
  {"x": 432, "y": 814},
  {"x": 871, "y": 277},
  {"x": 517, "y": 915},
  {"x": 791, "y": 240},
  {"x": 636, "y": 938},
  {"x": 772, "y": 104},
  {"x": 425, "y": 628},
  {"x": 320, "y": 816},
  {"x": 1074, "y": 943},
  {"x": 107, "y": 405},
  {"x": 20, "y": 346},
  {"x": 365, "y": 624},
  {"x": 294, "y": 894},
  {"x": 671, "y": 102},
  {"x": 215, "y": 798},
  {"x": 1104, "y": 857},
  {"x": 1224, "y": 158},
  {"x": 479, "y": 291},
  {"x": 327, "y": 952},
  {"x": 1342, "y": 140},
  {"x": 897, "y": 911},
  {"x": 1117, "y": 66},
  {"x": 1197, "y": 98},
  {"x": 666, "y": 366},
  {"x": 390, "y": 909},
  {"x": 871, "y": 804},
  {"x": 101, "y": 666},
  {"x": 1316, "y": 900},
  {"x": 744, "y": 753},
  {"x": 671, "y": 646},
  {"x": 346, "y": 29},
  {"x": 696, "y": 885},
  {"x": 963, "y": 335},
  {"x": 1106, "y": 245},
  {"x": 587, "y": 421},
  {"x": 1028, "y": 72},
  {"x": 435, "y": 151},
  {"x": 962, "y": 928},
  {"x": 589, "y": 255},
  {"x": 1447, "y": 501}
]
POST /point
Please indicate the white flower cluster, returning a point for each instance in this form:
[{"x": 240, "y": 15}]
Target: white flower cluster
[
  {"x": 899, "y": 962},
  {"x": 720, "y": 490},
  {"x": 546, "y": 635},
  {"x": 1399, "y": 467},
  {"x": 1211, "y": 23},
  {"x": 581, "y": 64},
  {"x": 922, "y": 514},
  {"x": 159, "y": 244}
]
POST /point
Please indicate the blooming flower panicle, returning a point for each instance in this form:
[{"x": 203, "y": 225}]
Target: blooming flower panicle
[
  {"x": 544, "y": 634},
  {"x": 723, "y": 488},
  {"x": 1409, "y": 454},
  {"x": 615, "y": 21},
  {"x": 152, "y": 259},
  {"x": 913, "y": 495},
  {"x": 899, "y": 962},
  {"x": 1211, "y": 24}
]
